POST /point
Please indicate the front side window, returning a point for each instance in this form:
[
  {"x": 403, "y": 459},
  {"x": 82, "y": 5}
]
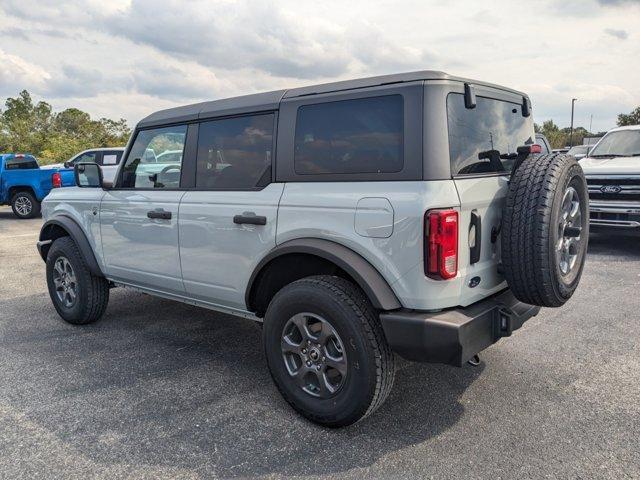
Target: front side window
[
  {"x": 350, "y": 136},
  {"x": 155, "y": 159},
  {"x": 87, "y": 157},
  {"x": 623, "y": 143},
  {"x": 235, "y": 153},
  {"x": 485, "y": 139}
]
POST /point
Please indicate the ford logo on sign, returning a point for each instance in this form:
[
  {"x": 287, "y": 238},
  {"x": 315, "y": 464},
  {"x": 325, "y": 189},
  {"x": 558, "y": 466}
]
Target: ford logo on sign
[{"x": 610, "y": 189}]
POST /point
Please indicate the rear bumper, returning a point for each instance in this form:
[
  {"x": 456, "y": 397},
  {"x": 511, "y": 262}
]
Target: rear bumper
[
  {"x": 614, "y": 214},
  {"x": 455, "y": 336}
]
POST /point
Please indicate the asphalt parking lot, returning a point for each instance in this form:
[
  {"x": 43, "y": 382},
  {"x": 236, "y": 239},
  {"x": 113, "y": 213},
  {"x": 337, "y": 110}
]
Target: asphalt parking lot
[{"x": 158, "y": 389}]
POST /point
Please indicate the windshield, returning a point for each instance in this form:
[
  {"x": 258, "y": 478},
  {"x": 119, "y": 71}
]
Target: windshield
[
  {"x": 623, "y": 143},
  {"x": 485, "y": 139}
]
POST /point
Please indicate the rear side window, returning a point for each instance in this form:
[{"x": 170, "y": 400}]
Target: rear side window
[
  {"x": 155, "y": 159},
  {"x": 111, "y": 158},
  {"x": 235, "y": 153},
  {"x": 362, "y": 135},
  {"x": 21, "y": 163},
  {"x": 484, "y": 139}
]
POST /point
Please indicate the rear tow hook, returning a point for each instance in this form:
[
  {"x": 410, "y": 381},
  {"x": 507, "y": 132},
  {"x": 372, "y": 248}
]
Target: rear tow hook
[{"x": 475, "y": 361}]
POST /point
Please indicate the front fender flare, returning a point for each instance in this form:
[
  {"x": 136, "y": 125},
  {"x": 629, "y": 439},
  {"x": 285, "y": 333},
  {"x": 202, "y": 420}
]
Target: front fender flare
[
  {"x": 74, "y": 230},
  {"x": 365, "y": 275}
]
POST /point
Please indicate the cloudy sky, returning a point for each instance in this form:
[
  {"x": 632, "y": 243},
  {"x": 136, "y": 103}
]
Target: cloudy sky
[{"x": 127, "y": 58}]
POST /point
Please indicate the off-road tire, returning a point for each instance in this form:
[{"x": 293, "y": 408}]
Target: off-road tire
[
  {"x": 530, "y": 231},
  {"x": 28, "y": 196},
  {"x": 92, "y": 291},
  {"x": 370, "y": 361}
]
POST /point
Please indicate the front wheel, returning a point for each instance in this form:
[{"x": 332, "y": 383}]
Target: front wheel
[
  {"x": 25, "y": 205},
  {"x": 78, "y": 296},
  {"x": 326, "y": 350}
]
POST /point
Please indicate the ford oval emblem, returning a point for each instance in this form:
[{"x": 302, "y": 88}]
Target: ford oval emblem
[
  {"x": 474, "y": 282},
  {"x": 611, "y": 189}
]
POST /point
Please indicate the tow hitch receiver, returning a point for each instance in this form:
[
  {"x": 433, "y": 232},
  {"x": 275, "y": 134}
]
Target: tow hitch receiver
[{"x": 504, "y": 323}]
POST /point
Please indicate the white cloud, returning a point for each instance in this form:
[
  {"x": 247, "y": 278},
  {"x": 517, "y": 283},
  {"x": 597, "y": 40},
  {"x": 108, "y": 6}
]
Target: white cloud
[
  {"x": 150, "y": 54},
  {"x": 17, "y": 74}
]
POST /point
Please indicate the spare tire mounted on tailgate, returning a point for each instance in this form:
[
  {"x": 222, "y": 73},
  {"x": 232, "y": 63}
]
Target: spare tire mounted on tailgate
[{"x": 545, "y": 229}]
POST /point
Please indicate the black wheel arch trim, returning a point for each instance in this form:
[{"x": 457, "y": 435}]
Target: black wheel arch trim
[
  {"x": 366, "y": 276},
  {"x": 76, "y": 233}
]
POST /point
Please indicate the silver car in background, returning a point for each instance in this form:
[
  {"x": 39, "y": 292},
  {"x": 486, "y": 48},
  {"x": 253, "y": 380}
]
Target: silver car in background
[
  {"x": 613, "y": 177},
  {"x": 107, "y": 158}
]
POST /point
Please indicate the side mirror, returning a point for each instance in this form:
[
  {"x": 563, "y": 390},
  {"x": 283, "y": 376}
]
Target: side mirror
[
  {"x": 67, "y": 164},
  {"x": 88, "y": 175}
]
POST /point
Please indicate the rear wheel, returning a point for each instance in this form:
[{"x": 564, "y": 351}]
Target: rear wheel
[
  {"x": 326, "y": 350},
  {"x": 25, "y": 205},
  {"x": 78, "y": 296},
  {"x": 545, "y": 229}
]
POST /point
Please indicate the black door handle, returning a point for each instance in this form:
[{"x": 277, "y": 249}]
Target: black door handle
[
  {"x": 250, "y": 218},
  {"x": 476, "y": 227},
  {"x": 161, "y": 214}
]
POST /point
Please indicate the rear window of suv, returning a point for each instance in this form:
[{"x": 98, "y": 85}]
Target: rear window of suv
[
  {"x": 362, "y": 135},
  {"x": 484, "y": 139}
]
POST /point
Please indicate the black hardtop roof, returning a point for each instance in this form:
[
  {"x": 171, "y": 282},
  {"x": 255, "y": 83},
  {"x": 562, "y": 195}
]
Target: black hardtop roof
[{"x": 270, "y": 100}]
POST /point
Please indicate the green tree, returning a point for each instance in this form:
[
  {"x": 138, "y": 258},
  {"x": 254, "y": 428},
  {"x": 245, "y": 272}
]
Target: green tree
[
  {"x": 632, "y": 118},
  {"x": 55, "y": 137},
  {"x": 24, "y": 126}
]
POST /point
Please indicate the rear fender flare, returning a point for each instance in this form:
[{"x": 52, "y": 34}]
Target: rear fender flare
[{"x": 373, "y": 284}]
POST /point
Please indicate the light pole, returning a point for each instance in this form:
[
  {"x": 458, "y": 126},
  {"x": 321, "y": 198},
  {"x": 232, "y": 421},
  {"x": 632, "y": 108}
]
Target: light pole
[{"x": 573, "y": 102}]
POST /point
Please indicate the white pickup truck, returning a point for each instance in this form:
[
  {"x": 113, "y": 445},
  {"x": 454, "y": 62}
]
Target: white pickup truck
[{"x": 612, "y": 170}]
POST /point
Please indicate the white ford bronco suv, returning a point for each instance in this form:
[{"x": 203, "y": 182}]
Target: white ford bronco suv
[{"x": 405, "y": 214}]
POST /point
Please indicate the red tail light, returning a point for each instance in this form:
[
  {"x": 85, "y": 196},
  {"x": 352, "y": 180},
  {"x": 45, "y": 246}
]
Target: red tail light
[
  {"x": 56, "y": 180},
  {"x": 441, "y": 252}
]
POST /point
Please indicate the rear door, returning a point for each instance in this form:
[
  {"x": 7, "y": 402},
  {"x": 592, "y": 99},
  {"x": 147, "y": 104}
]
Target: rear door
[
  {"x": 228, "y": 217},
  {"x": 139, "y": 217},
  {"x": 482, "y": 143}
]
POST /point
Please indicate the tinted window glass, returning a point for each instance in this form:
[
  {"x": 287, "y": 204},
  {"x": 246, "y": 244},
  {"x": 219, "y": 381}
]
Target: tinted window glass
[
  {"x": 350, "y": 136},
  {"x": 484, "y": 139},
  {"x": 21, "y": 163},
  {"x": 89, "y": 157},
  {"x": 155, "y": 159},
  {"x": 235, "y": 153},
  {"x": 578, "y": 150}
]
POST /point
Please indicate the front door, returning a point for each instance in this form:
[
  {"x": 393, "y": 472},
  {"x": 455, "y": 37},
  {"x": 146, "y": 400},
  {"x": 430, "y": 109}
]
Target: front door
[
  {"x": 228, "y": 222},
  {"x": 139, "y": 217}
]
